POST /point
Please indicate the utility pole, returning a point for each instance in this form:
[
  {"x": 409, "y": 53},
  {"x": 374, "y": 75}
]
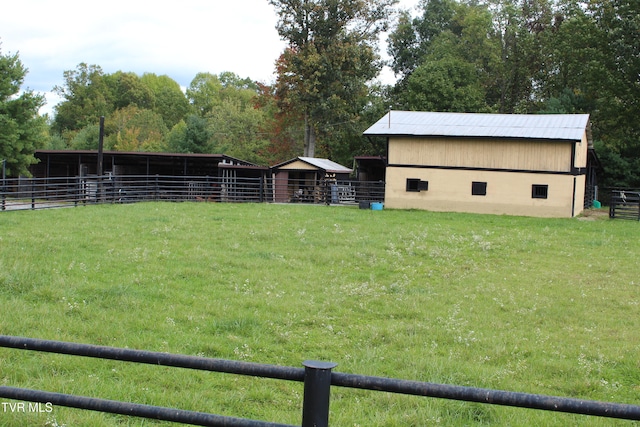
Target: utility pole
[
  {"x": 100, "y": 146},
  {"x": 100, "y": 159}
]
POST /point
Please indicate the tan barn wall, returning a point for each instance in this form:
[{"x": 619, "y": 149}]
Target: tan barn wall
[
  {"x": 580, "y": 160},
  {"x": 581, "y": 186},
  {"x": 298, "y": 165},
  {"x": 507, "y": 192},
  {"x": 511, "y": 154}
]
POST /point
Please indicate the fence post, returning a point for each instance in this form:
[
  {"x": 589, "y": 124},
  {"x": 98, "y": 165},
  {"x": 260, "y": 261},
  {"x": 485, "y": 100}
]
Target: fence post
[
  {"x": 612, "y": 207},
  {"x": 78, "y": 190},
  {"x": 317, "y": 385},
  {"x": 33, "y": 193},
  {"x": 261, "y": 197},
  {"x": 4, "y": 184}
]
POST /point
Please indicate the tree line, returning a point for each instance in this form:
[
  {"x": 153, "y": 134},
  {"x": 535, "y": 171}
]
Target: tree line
[{"x": 494, "y": 56}]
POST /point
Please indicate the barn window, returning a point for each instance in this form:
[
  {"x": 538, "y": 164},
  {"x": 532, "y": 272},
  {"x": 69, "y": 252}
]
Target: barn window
[
  {"x": 416, "y": 185},
  {"x": 478, "y": 188},
  {"x": 539, "y": 191}
]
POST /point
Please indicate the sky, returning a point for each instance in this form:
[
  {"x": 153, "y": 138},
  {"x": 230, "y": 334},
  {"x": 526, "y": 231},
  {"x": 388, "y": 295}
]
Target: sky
[{"x": 177, "y": 39}]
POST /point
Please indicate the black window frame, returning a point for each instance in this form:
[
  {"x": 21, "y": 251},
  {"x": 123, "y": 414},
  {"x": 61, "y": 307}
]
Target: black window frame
[
  {"x": 415, "y": 185},
  {"x": 540, "y": 191},
  {"x": 478, "y": 188}
]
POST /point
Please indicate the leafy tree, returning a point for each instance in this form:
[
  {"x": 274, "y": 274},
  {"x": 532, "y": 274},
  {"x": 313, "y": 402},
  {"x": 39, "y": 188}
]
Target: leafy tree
[
  {"x": 55, "y": 142},
  {"x": 240, "y": 89},
  {"x": 135, "y": 129},
  {"x": 568, "y": 102},
  {"x": 536, "y": 56},
  {"x": 86, "y": 97},
  {"x": 412, "y": 37},
  {"x": 330, "y": 58},
  {"x": 204, "y": 93},
  {"x": 619, "y": 25},
  {"x": 128, "y": 89},
  {"x": 208, "y": 91},
  {"x": 193, "y": 137},
  {"x": 176, "y": 137},
  {"x": 445, "y": 84},
  {"x": 22, "y": 130},
  {"x": 236, "y": 131},
  {"x": 619, "y": 170},
  {"x": 86, "y": 139},
  {"x": 170, "y": 102},
  {"x": 448, "y": 58},
  {"x": 226, "y": 102},
  {"x": 280, "y": 127}
]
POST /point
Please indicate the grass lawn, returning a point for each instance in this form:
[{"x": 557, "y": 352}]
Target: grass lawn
[{"x": 547, "y": 306}]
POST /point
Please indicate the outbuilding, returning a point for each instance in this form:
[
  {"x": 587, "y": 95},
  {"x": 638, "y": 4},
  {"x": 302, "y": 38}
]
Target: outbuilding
[
  {"x": 67, "y": 163},
  {"x": 309, "y": 179},
  {"x": 533, "y": 165},
  {"x": 214, "y": 177}
]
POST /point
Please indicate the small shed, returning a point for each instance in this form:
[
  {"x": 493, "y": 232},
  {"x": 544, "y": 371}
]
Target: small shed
[
  {"x": 516, "y": 164},
  {"x": 305, "y": 179}
]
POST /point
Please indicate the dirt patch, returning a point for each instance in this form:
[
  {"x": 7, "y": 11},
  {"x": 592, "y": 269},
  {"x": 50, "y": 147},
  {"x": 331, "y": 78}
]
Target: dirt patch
[{"x": 594, "y": 214}]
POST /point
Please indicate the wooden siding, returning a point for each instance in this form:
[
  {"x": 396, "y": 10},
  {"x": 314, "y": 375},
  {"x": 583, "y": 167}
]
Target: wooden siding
[
  {"x": 580, "y": 160},
  {"x": 298, "y": 165},
  {"x": 508, "y": 154}
]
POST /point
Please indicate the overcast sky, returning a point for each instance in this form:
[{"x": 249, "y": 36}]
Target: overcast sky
[{"x": 179, "y": 39}]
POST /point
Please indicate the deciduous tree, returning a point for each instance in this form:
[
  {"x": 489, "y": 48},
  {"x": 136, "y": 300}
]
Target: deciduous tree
[
  {"x": 170, "y": 102},
  {"x": 331, "y": 56},
  {"x": 22, "y": 129},
  {"x": 85, "y": 97}
]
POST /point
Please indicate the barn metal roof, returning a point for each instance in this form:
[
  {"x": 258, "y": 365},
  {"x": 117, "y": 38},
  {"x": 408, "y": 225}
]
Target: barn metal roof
[
  {"x": 530, "y": 126},
  {"x": 324, "y": 164}
]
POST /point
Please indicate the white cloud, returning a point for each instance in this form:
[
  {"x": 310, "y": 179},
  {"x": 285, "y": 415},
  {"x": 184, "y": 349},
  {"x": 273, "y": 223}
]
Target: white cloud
[{"x": 178, "y": 39}]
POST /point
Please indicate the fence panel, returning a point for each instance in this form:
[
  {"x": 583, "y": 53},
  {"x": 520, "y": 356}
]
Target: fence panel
[
  {"x": 317, "y": 378},
  {"x": 40, "y": 193},
  {"x": 625, "y": 205}
]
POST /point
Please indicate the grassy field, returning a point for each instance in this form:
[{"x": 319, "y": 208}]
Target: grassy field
[{"x": 546, "y": 306}]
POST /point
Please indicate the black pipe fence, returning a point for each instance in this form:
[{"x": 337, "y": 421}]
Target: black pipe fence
[
  {"x": 40, "y": 193},
  {"x": 625, "y": 204},
  {"x": 317, "y": 377}
]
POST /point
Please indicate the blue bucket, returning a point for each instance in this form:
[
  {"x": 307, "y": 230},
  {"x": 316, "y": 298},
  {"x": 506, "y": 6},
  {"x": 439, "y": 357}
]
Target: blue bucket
[{"x": 377, "y": 206}]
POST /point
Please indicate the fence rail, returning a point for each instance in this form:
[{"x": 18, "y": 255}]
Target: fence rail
[
  {"x": 317, "y": 377},
  {"x": 625, "y": 204},
  {"x": 40, "y": 193}
]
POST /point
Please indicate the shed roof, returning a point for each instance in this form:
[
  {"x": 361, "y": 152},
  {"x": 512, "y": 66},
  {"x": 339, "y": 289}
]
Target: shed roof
[
  {"x": 324, "y": 164},
  {"x": 146, "y": 154},
  {"x": 530, "y": 126},
  {"x": 70, "y": 163}
]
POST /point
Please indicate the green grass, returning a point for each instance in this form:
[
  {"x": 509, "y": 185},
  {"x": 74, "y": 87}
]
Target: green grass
[{"x": 546, "y": 306}]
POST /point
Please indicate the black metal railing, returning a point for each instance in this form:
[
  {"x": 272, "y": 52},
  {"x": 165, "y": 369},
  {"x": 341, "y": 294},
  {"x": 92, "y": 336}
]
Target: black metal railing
[
  {"x": 317, "y": 377},
  {"x": 40, "y": 193},
  {"x": 625, "y": 204}
]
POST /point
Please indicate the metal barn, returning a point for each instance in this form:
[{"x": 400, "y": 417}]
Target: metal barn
[{"x": 532, "y": 165}]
